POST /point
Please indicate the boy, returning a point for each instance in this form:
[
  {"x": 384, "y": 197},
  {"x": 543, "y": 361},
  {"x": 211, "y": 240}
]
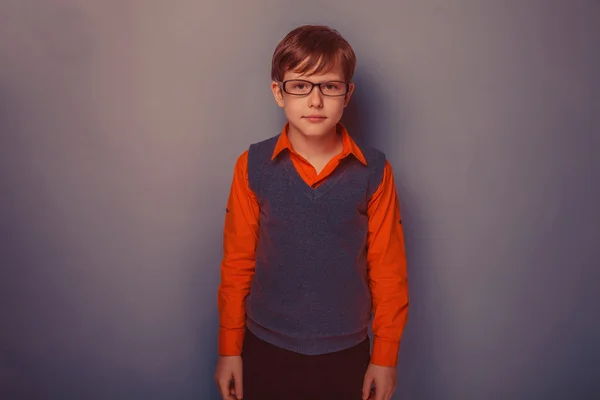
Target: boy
[{"x": 313, "y": 245}]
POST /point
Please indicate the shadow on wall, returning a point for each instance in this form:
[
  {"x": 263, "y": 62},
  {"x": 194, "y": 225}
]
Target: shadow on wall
[
  {"x": 377, "y": 117},
  {"x": 358, "y": 114}
]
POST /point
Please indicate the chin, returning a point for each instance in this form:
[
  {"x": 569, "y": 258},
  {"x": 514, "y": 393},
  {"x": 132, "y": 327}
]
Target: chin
[{"x": 313, "y": 130}]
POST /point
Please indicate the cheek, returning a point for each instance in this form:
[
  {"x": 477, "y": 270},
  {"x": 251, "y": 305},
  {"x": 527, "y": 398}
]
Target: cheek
[
  {"x": 336, "y": 108},
  {"x": 292, "y": 108}
]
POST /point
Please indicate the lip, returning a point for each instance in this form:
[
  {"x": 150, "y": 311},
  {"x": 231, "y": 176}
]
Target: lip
[{"x": 315, "y": 118}]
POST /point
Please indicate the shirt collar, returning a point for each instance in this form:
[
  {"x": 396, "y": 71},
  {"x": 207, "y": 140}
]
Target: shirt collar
[{"x": 349, "y": 146}]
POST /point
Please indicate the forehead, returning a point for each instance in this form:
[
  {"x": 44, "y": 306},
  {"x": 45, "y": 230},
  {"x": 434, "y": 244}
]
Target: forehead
[{"x": 332, "y": 72}]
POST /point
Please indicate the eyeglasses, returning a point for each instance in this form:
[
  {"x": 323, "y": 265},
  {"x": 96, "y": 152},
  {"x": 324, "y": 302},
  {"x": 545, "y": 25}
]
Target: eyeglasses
[{"x": 298, "y": 87}]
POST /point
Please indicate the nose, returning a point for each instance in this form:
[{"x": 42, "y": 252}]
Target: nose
[{"x": 315, "y": 98}]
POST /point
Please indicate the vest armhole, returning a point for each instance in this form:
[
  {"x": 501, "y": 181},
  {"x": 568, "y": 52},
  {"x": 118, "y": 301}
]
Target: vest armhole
[
  {"x": 377, "y": 162},
  {"x": 253, "y": 181},
  {"x": 259, "y": 154}
]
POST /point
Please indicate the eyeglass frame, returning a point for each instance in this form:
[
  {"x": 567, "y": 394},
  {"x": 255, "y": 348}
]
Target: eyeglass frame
[{"x": 313, "y": 86}]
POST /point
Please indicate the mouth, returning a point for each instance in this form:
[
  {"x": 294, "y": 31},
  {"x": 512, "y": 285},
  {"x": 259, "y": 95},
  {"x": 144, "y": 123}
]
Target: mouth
[{"x": 315, "y": 118}]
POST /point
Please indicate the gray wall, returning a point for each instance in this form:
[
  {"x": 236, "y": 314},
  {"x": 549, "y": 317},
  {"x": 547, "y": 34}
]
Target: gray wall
[{"x": 120, "y": 123}]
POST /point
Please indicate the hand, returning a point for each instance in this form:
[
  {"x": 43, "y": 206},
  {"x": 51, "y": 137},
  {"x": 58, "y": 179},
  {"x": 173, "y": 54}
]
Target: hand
[
  {"x": 229, "y": 377},
  {"x": 385, "y": 380}
]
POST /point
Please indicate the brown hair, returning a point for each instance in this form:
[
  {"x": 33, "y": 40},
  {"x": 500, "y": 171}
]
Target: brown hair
[{"x": 314, "y": 49}]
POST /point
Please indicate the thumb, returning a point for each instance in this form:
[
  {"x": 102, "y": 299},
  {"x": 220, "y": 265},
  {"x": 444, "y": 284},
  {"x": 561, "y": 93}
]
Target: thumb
[
  {"x": 366, "y": 389},
  {"x": 238, "y": 387}
]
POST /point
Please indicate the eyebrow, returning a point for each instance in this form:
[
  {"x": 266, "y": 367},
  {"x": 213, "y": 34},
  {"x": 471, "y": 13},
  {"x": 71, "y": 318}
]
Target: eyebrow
[{"x": 323, "y": 81}]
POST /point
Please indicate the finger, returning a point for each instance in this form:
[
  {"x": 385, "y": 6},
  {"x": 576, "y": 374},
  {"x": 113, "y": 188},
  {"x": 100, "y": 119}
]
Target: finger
[
  {"x": 390, "y": 392},
  {"x": 380, "y": 394},
  {"x": 224, "y": 388},
  {"x": 366, "y": 389},
  {"x": 238, "y": 385},
  {"x": 385, "y": 395},
  {"x": 232, "y": 389}
]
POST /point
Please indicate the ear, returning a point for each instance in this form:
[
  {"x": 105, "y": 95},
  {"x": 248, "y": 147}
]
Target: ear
[
  {"x": 277, "y": 93},
  {"x": 349, "y": 94}
]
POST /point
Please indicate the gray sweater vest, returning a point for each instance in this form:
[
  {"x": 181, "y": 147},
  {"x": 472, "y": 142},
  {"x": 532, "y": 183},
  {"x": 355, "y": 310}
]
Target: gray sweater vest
[{"x": 310, "y": 291}]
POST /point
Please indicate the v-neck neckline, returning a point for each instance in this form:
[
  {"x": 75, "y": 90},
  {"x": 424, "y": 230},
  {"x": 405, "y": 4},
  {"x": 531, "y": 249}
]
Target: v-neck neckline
[{"x": 314, "y": 192}]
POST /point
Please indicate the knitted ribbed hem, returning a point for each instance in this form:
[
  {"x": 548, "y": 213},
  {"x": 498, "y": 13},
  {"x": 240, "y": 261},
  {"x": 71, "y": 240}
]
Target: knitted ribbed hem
[{"x": 307, "y": 345}]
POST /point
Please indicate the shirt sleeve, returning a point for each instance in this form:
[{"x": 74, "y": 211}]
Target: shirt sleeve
[
  {"x": 386, "y": 260},
  {"x": 237, "y": 267}
]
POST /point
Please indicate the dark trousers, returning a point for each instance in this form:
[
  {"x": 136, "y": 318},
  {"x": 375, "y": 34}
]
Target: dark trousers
[{"x": 273, "y": 373}]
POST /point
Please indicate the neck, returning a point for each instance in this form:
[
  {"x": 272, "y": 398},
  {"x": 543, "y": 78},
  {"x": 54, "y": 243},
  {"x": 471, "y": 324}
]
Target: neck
[{"x": 311, "y": 147}]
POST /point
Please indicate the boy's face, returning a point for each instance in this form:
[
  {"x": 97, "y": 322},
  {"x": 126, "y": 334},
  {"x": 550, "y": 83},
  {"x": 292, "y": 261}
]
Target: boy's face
[{"x": 300, "y": 108}]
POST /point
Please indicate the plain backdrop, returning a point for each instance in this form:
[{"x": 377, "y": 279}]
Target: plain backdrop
[{"x": 120, "y": 123}]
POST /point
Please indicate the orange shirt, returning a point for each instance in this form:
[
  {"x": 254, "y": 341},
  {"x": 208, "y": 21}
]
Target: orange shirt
[{"x": 386, "y": 259}]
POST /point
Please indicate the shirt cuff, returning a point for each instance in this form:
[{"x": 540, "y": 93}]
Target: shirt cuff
[
  {"x": 230, "y": 342},
  {"x": 385, "y": 353}
]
